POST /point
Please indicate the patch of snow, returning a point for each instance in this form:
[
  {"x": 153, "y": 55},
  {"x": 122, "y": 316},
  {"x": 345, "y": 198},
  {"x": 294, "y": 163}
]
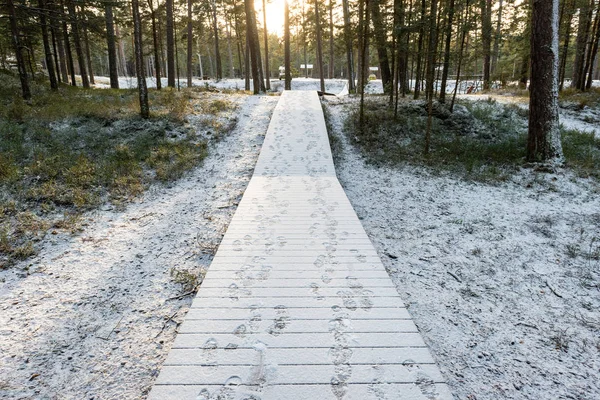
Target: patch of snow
[
  {"x": 502, "y": 281},
  {"x": 94, "y": 316}
]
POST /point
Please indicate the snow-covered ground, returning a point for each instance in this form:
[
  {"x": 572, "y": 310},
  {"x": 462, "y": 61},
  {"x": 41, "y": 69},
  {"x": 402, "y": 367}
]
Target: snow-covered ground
[
  {"x": 93, "y": 316},
  {"x": 503, "y": 281},
  {"x": 585, "y": 120},
  {"x": 333, "y": 86}
]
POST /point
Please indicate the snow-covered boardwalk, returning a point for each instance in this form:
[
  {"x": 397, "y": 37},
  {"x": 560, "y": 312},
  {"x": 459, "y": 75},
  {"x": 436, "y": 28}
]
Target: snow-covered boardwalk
[{"x": 296, "y": 304}]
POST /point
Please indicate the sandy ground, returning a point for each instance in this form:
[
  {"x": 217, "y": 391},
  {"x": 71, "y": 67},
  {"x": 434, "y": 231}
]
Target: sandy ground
[
  {"x": 502, "y": 281},
  {"x": 93, "y": 316}
]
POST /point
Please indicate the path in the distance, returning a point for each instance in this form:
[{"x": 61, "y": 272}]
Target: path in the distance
[{"x": 296, "y": 304}]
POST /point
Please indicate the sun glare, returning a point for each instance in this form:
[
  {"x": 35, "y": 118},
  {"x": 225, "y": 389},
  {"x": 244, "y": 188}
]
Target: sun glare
[{"x": 275, "y": 17}]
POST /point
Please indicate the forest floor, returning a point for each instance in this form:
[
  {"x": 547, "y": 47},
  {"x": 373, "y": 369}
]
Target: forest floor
[
  {"x": 501, "y": 276},
  {"x": 93, "y": 315}
]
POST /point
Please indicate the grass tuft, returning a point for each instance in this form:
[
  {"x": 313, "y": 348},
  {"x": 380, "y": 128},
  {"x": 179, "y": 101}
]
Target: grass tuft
[{"x": 67, "y": 152}]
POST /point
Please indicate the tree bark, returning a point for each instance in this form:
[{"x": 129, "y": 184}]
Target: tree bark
[
  {"x": 364, "y": 36},
  {"x": 583, "y": 29},
  {"x": 139, "y": 60},
  {"x": 60, "y": 56},
  {"x": 170, "y": 45},
  {"x": 230, "y": 51},
  {"x": 543, "y": 142},
  {"x": 252, "y": 35},
  {"x": 189, "y": 43},
  {"x": 592, "y": 50},
  {"x": 286, "y": 38},
  {"x": 55, "y": 53},
  {"x": 77, "y": 43},
  {"x": 112, "y": 47},
  {"x": 381, "y": 41},
  {"x": 70, "y": 63},
  {"x": 157, "y": 67},
  {"x": 18, "y": 49},
  {"x": 460, "y": 54},
  {"x": 319, "y": 47},
  {"x": 420, "y": 50},
  {"x": 486, "y": 40},
  {"x": 446, "y": 67},
  {"x": 46, "y": 42},
  {"x": 497, "y": 35},
  {"x": 431, "y": 50},
  {"x": 565, "y": 47},
  {"x": 88, "y": 55},
  {"x": 266, "y": 37},
  {"x": 331, "y": 66},
  {"x": 349, "y": 51},
  {"x": 216, "y": 33}
]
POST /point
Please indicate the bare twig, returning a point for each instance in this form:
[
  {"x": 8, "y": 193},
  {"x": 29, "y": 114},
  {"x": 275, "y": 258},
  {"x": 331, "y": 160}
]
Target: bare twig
[
  {"x": 454, "y": 276},
  {"x": 113, "y": 329},
  {"x": 552, "y": 290},
  {"x": 181, "y": 296},
  {"x": 527, "y": 325},
  {"x": 170, "y": 319}
]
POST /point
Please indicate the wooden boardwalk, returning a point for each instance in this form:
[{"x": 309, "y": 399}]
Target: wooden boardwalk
[{"x": 296, "y": 304}]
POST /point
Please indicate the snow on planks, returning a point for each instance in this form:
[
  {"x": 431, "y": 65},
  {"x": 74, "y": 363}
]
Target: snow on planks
[{"x": 296, "y": 304}]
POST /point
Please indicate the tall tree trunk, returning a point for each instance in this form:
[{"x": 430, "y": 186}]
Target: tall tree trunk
[
  {"x": 139, "y": 60},
  {"x": 88, "y": 55},
  {"x": 18, "y": 49},
  {"x": 155, "y": 44},
  {"x": 170, "y": 45},
  {"x": 286, "y": 38},
  {"x": 581, "y": 42},
  {"x": 331, "y": 66},
  {"x": 266, "y": 37},
  {"x": 46, "y": 41},
  {"x": 216, "y": 33},
  {"x": 70, "y": 63},
  {"x": 247, "y": 61},
  {"x": 381, "y": 41},
  {"x": 431, "y": 50},
  {"x": 77, "y": 43},
  {"x": 486, "y": 40},
  {"x": 543, "y": 143},
  {"x": 592, "y": 49},
  {"x": 161, "y": 46},
  {"x": 319, "y": 47},
  {"x": 364, "y": 36},
  {"x": 229, "y": 50},
  {"x": 55, "y": 29},
  {"x": 524, "y": 75},
  {"x": 465, "y": 25},
  {"x": 361, "y": 51},
  {"x": 112, "y": 47},
  {"x": 446, "y": 67},
  {"x": 565, "y": 47},
  {"x": 189, "y": 43},
  {"x": 349, "y": 51},
  {"x": 420, "y": 50},
  {"x": 252, "y": 34},
  {"x": 497, "y": 36},
  {"x": 55, "y": 53}
]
